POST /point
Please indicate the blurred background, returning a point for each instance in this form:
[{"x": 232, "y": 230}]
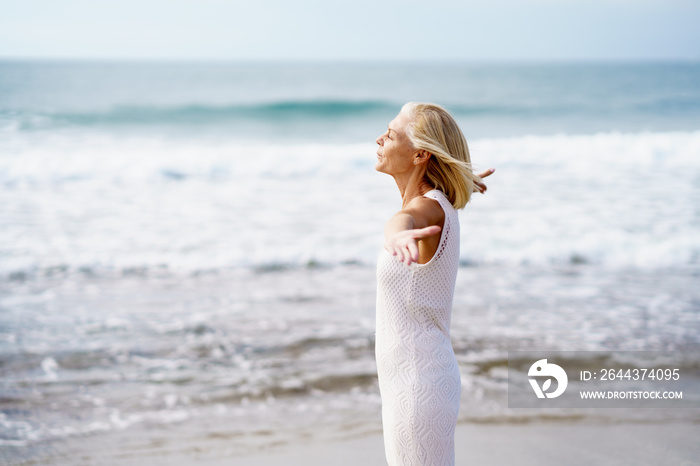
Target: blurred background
[{"x": 190, "y": 216}]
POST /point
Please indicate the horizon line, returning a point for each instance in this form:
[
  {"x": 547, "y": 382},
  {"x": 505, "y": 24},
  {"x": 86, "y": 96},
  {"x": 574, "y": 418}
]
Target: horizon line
[{"x": 373, "y": 61}]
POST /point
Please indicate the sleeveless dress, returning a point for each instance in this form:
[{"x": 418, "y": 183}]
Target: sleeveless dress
[{"x": 418, "y": 374}]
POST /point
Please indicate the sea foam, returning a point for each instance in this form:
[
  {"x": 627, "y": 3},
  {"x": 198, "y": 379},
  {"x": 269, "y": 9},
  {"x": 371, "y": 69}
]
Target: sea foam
[{"x": 99, "y": 201}]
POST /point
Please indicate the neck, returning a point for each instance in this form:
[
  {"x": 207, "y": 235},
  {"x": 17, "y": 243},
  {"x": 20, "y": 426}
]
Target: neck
[{"x": 412, "y": 185}]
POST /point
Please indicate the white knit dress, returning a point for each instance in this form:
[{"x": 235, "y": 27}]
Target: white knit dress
[{"x": 418, "y": 375}]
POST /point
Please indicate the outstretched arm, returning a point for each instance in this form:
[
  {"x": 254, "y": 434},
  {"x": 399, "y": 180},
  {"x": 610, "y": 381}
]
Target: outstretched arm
[
  {"x": 407, "y": 227},
  {"x": 481, "y": 187},
  {"x": 404, "y": 243}
]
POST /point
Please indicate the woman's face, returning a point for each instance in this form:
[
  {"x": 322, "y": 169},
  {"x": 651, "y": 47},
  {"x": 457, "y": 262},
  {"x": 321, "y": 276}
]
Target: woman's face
[{"x": 395, "y": 154}]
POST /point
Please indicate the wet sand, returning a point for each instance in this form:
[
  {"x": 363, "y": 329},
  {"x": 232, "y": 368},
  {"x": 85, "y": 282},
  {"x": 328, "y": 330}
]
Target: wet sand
[{"x": 541, "y": 444}]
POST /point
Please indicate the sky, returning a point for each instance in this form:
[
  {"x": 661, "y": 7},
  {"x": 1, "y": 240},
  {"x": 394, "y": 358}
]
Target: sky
[{"x": 493, "y": 30}]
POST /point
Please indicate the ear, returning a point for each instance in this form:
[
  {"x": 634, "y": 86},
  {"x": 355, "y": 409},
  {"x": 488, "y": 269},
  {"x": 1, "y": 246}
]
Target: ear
[{"x": 422, "y": 156}]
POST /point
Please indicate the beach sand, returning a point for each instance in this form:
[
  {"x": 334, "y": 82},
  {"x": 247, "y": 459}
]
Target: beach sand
[{"x": 541, "y": 444}]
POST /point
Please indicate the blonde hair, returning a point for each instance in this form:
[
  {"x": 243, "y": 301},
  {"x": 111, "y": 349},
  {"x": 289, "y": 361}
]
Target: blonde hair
[{"x": 434, "y": 130}]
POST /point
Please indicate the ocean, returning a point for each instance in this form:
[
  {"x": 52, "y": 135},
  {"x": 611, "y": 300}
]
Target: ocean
[{"x": 193, "y": 244}]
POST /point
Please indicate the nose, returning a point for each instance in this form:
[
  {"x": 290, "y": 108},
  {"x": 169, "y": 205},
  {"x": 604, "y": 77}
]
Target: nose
[{"x": 380, "y": 139}]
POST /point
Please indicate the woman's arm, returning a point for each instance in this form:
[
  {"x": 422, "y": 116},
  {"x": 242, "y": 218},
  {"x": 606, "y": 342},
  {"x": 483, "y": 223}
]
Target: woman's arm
[
  {"x": 481, "y": 187},
  {"x": 401, "y": 240},
  {"x": 407, "y": 234}
]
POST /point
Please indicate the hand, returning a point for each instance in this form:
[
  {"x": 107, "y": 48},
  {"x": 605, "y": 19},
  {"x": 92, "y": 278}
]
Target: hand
[
  {"x": 481, "y": 187},
  {"x": 404, "y": 246}
]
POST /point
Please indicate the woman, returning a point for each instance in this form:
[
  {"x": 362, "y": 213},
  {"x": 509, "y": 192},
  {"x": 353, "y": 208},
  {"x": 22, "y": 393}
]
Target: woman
[{"x": 426, "y": 153}]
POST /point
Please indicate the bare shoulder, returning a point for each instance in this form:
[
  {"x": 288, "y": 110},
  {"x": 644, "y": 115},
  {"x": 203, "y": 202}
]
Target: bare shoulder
[{"x": 425, "y": 212}]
